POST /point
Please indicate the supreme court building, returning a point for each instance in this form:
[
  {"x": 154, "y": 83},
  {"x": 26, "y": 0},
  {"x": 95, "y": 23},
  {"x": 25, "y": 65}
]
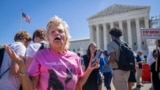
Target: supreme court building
[{"x": 129, "y": 18}]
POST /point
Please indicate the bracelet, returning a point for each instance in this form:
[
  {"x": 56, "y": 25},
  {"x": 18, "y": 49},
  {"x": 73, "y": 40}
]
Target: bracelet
[{"x": 22, "y": 74}]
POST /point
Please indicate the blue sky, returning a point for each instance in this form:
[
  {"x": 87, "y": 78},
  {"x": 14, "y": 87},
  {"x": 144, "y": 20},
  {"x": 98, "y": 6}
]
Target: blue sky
[{"x": 74, "y": 12}]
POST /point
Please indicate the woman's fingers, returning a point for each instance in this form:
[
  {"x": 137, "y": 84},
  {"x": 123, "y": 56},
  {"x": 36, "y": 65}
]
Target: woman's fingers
[
  {"x": 12, "y": 54},
  {"x": 97, "y": 64},
  {"x": 7, "y": 49},
  {"x": 15, "y": 57}
]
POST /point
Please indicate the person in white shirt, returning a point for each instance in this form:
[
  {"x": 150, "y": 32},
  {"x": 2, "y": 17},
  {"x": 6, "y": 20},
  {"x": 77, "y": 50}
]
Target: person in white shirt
[
  {"x": 151, "y": 60},
  {"x": 39, "y": 41},
  {"x": 9, "y": 70}
]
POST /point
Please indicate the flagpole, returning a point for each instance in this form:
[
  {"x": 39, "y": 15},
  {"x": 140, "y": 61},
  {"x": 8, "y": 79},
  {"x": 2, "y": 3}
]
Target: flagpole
[{"x": 20, "y": 20}]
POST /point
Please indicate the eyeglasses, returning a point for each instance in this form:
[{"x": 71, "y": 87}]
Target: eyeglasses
[{"x": 93, "y": 46}]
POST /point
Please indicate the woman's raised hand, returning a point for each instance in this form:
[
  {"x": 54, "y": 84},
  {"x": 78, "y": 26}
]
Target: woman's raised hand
[
  {"x": 94, "y": 64},
  {"x": 17, "y": 59}
]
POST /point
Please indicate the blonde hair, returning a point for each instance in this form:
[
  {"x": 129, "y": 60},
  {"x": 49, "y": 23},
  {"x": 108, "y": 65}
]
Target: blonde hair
[
  {"x": 22, "y": 35},
  {"x": 54, "y": 22}
]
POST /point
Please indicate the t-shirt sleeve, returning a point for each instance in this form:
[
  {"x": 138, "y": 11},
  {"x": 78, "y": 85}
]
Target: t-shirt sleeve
[
  {"x": 20, "y": 50},
  {"x": 34, "y": 68},
  {"x": 29, "y": 51},
  {"x": 32, "y": 49},
  {"x": 137, "y": 59},
  {"x": 150, "y": 58},
  {"x": 102, "y": 62}
]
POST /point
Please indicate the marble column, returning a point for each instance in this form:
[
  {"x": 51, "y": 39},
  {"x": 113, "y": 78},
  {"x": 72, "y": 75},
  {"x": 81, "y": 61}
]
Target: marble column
[
  {"x": 91, "y": 33},
  {"x": 146, "y": 22},
  {"x": 121, "y": 27},
  {"x": 105, "y": 36},
  {"x": 97, "y": 36},
  {"x": 111, "y": 26},
  {"x": 139, "y": 40},
  {"x": 129, "y": 33}
]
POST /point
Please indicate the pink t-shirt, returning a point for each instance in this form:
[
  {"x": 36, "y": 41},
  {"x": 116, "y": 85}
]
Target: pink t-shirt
[{"x": 56, "y": 71}]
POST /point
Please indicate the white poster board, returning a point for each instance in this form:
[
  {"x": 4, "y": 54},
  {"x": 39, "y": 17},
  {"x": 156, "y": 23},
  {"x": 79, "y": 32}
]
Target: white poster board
[{"x": 150, "y": 33}]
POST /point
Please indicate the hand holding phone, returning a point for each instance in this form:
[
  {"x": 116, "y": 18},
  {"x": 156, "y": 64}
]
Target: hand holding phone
[{"x": 97, "y": 56}]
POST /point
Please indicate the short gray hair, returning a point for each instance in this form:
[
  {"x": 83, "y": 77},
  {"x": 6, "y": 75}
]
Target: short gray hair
[{"x": 55, "y": 21}]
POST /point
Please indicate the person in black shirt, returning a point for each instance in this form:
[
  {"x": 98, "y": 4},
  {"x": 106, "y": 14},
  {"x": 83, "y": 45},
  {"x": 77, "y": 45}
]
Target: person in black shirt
[
  {"x": 151, "y": 58},
  {"x": 92, "y": 82}
]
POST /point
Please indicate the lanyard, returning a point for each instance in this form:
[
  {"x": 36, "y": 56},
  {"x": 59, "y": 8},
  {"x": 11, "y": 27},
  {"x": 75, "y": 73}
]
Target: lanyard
[{"x": 4, "y": 72}]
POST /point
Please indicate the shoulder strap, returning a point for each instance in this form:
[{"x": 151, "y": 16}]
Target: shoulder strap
[
  {"x": 42, "y": 46},
  {"x": 118, "y": 43},
  {"x": 4, "y": 72}
]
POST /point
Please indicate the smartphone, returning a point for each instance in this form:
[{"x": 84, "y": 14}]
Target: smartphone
[{"x": 97, "y": 56}]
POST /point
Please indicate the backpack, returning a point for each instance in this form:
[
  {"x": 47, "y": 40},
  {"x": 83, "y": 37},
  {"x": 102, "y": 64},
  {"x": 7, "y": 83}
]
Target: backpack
[
  {"x": 1, "y": 55},
  {"x": 42, "y": 46},
  {"x": 126, "y": 60},
  {"x": 2, "y": 50}
]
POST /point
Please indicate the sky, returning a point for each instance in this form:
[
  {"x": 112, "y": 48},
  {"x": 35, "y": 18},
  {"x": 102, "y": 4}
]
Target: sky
[{"x": 74, "y": 12}]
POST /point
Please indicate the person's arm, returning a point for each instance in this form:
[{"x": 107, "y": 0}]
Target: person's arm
[
  {"x": 14, "y": 68},
  {"x": 102, "y": 63},
  {"x": 111, "y": 53},
  {"x": 25, "y": 80},
  {"x": 19, "y": 50},
  {"x": 34, "y": 81},
  {"x": 101, "y": 74},
  {"x": 150, "y": 58},
  {"x": 136, "y": 62},
  {"x": 30, "y": 53},
  {"x": 112, "y": 58}
]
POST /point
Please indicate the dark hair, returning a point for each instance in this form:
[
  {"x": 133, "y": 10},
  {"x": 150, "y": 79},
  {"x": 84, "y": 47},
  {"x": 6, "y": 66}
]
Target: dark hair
[
  {"x": 79, "y": 54},
  {"x": 115, "y": 32},
  {"x": 22, "y": 35},
  {"x": 88, "y": 50},
  {"x": 105, "y": 52},
  {"x": 145, "y": 56},
  {"x": 41, "y": 33},
  {"x": 158, "y": 42}
]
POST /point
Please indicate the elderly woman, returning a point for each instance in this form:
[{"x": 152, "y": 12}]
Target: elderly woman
[{"x": 54, "y": 68}]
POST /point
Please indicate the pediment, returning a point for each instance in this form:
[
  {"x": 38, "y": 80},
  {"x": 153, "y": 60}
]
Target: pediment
[{"x": 117, "y": 9}]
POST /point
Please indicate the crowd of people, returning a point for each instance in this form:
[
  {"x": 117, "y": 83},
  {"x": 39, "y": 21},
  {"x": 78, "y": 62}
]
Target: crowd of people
[{"x": 47, "y": 64}]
